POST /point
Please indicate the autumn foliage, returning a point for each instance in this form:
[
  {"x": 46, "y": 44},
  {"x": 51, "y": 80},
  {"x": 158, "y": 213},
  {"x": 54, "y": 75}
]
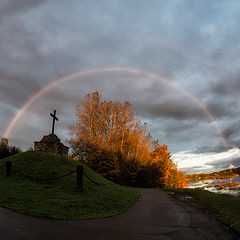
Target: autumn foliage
[{"x": 109, "y": 138}]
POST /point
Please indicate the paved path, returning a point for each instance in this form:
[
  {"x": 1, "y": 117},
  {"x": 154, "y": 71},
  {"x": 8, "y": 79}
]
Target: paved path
[{"x": 155, "y": 216}]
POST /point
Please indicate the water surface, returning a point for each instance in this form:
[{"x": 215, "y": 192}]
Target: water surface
[{"x": 211, "y": 185}]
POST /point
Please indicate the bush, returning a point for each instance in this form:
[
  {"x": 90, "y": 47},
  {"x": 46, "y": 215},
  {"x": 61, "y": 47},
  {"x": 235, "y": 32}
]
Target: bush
[
  {"x": 105, "y": 163},
  {"x": 7, "y": 151}
]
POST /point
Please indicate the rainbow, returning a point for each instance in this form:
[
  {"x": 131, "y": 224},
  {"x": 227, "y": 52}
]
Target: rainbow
[{"x": 115, "y": 69}]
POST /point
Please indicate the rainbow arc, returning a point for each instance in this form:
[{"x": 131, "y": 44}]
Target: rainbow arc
[{"x": 82, "y": 73}]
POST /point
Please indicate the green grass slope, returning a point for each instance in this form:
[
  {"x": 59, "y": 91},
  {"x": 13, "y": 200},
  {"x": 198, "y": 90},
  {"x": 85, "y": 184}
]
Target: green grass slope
[{"x": 27, "y": 192}]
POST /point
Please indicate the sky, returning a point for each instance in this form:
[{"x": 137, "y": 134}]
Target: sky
[{"x": 176, "y": 61}]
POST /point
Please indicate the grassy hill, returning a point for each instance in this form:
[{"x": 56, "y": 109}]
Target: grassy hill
[{"x": 27, "y": 192}]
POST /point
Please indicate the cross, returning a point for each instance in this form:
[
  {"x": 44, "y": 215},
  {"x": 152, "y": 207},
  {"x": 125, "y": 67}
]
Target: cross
[{"x": 54, "y": 118}]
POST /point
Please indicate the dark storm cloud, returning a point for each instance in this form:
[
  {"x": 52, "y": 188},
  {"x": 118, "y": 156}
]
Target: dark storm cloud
[
  {"x": 13, "y": 84},
  {"x": 231, "y": 134},
  {"x": 232, "y": 131},
  {"x": 171, "y": 109},
  {"x": 156, "y": 100},
  {"x": 220, "y": 108},
  {"x": 229, "y": 84},
  {"x": 224, "y": 164},
  {"x": 218, "y": 148},
  {"x": 9, "y": 8},
  {"x": 194, "y": 43}
]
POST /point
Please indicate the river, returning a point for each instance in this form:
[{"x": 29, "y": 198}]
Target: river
[{"x": 212, "y": 184}]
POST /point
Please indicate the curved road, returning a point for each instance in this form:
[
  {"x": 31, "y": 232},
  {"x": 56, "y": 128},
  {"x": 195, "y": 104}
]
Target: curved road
[{"x": 155, "y": 216}]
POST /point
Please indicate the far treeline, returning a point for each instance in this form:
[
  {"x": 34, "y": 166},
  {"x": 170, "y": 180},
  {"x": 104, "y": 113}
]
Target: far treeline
[
  {"x": 7, "y": 151},
  {"x": 109, "y": 138},
  {"x": 228, "y": 173}
]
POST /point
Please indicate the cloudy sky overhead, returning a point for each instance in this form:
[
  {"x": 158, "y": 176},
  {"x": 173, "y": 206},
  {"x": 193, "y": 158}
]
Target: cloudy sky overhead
[{"x": 176, "y": 61}]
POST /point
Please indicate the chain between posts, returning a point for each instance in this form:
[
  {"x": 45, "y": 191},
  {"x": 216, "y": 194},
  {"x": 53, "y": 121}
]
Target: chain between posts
[
  {"x": 46, "y": 179},
  {"x": 79, "y": 170},
  {"x": 91, "y": 179}
]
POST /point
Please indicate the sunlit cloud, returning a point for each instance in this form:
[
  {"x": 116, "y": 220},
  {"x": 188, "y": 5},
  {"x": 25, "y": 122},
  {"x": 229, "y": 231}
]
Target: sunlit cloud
[{"x": 206, "y": 162}]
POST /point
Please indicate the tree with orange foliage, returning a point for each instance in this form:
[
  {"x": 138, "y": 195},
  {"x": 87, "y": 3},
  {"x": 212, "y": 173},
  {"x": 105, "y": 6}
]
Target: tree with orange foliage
[
  {"x": 161, "y": 158},
  {"x": 108, "y": 125},
  {"x": 109, "y": 138},
  {"x": 176, "y": 179}
]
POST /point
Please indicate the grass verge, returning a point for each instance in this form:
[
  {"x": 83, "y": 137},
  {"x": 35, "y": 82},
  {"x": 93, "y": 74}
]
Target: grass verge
[
  {"x": 225, "y": 208},
  {"x": 60, "y": 199}
]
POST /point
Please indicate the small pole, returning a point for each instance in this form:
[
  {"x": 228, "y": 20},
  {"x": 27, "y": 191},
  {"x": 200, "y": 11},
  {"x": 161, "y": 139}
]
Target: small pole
[
  {"x": 54, "y": 119},
  {"x": 79, "y": 170},
  {"x": 53, "y": 125},
  {"x": 8, "y": 168}
]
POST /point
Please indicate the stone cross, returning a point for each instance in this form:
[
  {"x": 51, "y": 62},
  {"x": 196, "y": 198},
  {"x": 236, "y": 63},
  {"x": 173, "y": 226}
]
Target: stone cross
[{"x": 54, "y": 119}]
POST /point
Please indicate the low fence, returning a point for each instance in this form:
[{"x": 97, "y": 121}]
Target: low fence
[
  {"x": 79, "y": 170},
  {"x": 8, "y": 166}
]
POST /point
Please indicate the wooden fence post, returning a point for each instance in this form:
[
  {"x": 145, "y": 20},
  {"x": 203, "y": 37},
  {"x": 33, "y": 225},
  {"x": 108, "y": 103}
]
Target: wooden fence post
[
  {"x": 8, "y": 168},
  {"x": 79, "y": 170}
]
